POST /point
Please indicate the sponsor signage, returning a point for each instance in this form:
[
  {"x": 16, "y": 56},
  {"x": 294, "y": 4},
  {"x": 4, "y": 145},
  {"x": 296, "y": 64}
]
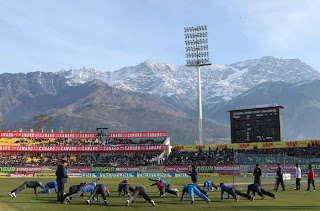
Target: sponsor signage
[
  {"x": 75, "y": 174},
  {"x": 208, "y": 175},
  {"x": 151, "y": 169},
  {"x": 127, "y": 175},
  {"x": 175, "y": 169},
  {"x": 287, "y": 168},
  {"x": 247, "y": 168},
  {"x": 131, "y": 135},
  {"x": 78, "y": 169},
  {"x": 105, "y": 169},
  {"x": 20, "y": 175},
  {"x": 7, "y": 169},
  {"x": 305, "y": 168},
  {"x": 127, "y": 169},
  {"x": 28, "y": 169},
  {"x": 304, "y": 174},
  {"x": 227, "y": 169},
  {"x": 269, "y": 175},
  {"x": 47, "y": 135},
  {"x": 134, "y": 148},
  {"x": 48, "y": 169},
  {"x": 44, "y": 174},
  {"x": 203, "y": 169}
]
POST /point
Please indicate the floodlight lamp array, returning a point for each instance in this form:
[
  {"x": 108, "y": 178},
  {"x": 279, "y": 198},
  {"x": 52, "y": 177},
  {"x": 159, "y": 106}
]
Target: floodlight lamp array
[{"x": 197, "y": 46}]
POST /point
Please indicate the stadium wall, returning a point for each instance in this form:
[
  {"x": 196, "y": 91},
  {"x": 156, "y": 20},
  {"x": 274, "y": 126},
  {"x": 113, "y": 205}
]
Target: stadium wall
[{"x": 268, "y": 170}]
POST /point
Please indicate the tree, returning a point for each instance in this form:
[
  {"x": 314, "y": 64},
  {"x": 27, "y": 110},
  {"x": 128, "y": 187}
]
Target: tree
[{"x": 41, "y": 121}]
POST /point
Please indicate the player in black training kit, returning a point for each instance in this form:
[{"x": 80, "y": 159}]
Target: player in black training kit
[
  {"x": 256, "y": 188},
  {"x": 27, "y": 184}
]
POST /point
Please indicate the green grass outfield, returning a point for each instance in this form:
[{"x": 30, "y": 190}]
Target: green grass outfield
[{"x": 288, "y": 200}]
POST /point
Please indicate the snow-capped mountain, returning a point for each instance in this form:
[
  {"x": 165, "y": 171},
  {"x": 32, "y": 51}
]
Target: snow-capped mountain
[{"x": 220, "y": 83}]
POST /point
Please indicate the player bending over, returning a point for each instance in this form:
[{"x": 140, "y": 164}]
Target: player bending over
[
  {"x": 99, "y": 190},
  {"x": 256, "y": 188},
  {"x": 74, "y": 188},
  {"x": 167, "y": 184},
  {"x": 140, "y": 190},
  {"x": 233, "y": 192},
  {"x": 78, "y": 190},
  {"x": 125, "y": 187},
  {"x": 210, "y": 185},
  {"x": 162, "y": 188},
  {"x": 92, "y": 183},
  {"x": 48, "y": 186},
  {"x": 27, "y": 184},
  {"x": 191, "y": 189}
]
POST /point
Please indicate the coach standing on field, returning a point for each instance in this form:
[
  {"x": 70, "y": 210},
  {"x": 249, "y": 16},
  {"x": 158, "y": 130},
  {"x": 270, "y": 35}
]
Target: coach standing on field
[
  {"x": 62, "y": 177},
  {"x": 194, "y": 174},
  {"x": 280, "y": 177},
  {"x": 257, "y": 174}
]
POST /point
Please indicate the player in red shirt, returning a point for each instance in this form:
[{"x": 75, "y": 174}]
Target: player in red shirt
[
  {"x": 311, "y": 178},
  {"x": 162, "y": 188}
]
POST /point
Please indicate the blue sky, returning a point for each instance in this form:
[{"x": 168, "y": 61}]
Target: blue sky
[{"x": 37, "y": 35}]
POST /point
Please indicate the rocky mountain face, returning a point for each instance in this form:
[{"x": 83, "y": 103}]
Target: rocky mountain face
[
  {"x": 220, "y": 83},
  {"x": 84, "y": 107}
]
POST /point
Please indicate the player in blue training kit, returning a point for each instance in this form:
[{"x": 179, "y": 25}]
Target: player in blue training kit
[
  {"x": 92, "y": 183},
  {"x": 74, "y": 188},
  {"x": 209, "y": 184},
  {"x": 233, "y": 191},
  {"x": 191, "y": 189},
  {"x": 48, "y": 186},
  {"x": 81, "y": 189},
  {"x": 27, "y": 184},
  {"x": 125, "y": 187},
  {"x": 167, "y": 184}
]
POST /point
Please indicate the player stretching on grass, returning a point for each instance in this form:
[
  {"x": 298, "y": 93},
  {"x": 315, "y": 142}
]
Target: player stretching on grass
[
  {"x": 99, "y": 189},
  {"x": 27, "y": 184},
  {"x": 74, "y": 188},
  {"x": 140, "y": 190},
  {"x": 48, "y": 186},
  {"x": 256, "y": 188},
  {"x": 167, "y": 184},
  {"x": 125, "y": 187},
  {"x": 162, "y": 188},
  {"x": 210, "y": 185},
  {"x": 192, "y": 189},
  {"x": 233, "y": 192},
  {"x": 79, "y": 191}
]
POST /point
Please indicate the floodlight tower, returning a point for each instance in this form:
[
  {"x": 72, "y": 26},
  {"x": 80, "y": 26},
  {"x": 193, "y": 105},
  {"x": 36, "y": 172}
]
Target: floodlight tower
[{"x": 197, "y": 52}]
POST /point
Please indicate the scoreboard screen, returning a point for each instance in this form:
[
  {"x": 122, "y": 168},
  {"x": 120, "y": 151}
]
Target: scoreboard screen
[{"x": 256, "y": 125}]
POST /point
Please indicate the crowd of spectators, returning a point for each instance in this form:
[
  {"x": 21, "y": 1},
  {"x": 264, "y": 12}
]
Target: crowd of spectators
[
  {"x": 211, "y": 157},
  {"x": 310, "y": 151},
  {"x": 131, "y": 159},
  {"x": 86, "y": 142},
  {"x": 131, "y": 141},
  {"x": 58, "y": 142},
  {"x": 245, "y": 156}
]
